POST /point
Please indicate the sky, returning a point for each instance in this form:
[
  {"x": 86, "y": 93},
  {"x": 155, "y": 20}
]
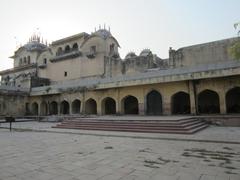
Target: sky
[{"x": 136, "y": 24}]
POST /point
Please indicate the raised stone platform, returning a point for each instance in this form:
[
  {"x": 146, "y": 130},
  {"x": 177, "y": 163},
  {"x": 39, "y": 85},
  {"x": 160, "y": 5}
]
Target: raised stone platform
[{"x": 145, "y": 124}]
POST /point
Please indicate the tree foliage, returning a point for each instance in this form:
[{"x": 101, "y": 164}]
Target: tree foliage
[{"x": 234, "y": 50}]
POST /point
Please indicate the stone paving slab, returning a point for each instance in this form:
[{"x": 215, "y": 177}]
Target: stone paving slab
[
  {"x": 211, "y": 134},
  {"x": 26, "y": 155}
]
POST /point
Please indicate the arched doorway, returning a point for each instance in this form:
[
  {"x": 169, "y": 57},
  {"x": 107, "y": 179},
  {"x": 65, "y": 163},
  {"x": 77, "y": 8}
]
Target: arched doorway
[
  {"x": 43, "y": 108},
  {"x": 64, "y": 107},
  {"x": 53, "y": 109},
  {"x": 181, "y": 103},
  {"x": 76, "y": 104},
  {"x": 108, "y": 106},
  {"x": 130, "y": 105},
  {"x": 154, "y": 103},
  {"x": 208, "y": 102},
  {"x": 233, "y": 100},
  {"x": 35, "y": 108},
  {"x": 91, "y": 106}
]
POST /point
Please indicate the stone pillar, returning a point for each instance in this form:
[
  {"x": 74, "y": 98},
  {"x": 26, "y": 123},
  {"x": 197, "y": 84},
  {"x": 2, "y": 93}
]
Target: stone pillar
[
  {"x": 59, "y": 108},
  {"x": 99, "y": 108},
  {"x": 70, "y": 107},
  {"x": 166, "y": 104},
  {"x": 193, "y": 98},
  {"x": 222, "y": 102},
  {"x": 141, "y": 109},
  {"x": 118, "y": 107},
  {"x": 118, "y": 103}
]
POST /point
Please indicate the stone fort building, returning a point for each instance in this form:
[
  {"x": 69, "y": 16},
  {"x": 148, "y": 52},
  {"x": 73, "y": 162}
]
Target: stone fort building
[{"x": 84, "y": 74}]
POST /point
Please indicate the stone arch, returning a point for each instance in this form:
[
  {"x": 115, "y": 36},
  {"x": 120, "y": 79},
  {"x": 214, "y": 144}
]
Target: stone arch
[
  {"x": 29, "y": 60},
  {"x": 76, "y": 105},
  {"x": 208, "y": 102},
  {"x": 233, "y": 100},
  {"x": 181, "y": 103},
  {"x": 130, "y": 105},
  {"x": 75, "y": 47},
  {"x": 34, "y": 108},
  {"x": 108, "y": 106},
  {"x": 53, "y": 108},
  {"x": 43, "y": 108},
  {"x": 67, "y": 49},
  {"x": 59, "y": 51},
  {"x": 64, "y": 107},
  {"x": 154, "y": 103},
  {"x": 91, "y": 106}
]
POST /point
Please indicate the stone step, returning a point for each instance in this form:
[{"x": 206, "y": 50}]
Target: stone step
[
  {"x": 174, "y": 131},
  {"x": 130, "y": 124},
  {"x": 178, "y": 126},
  {"x": 150, "y": 122}
]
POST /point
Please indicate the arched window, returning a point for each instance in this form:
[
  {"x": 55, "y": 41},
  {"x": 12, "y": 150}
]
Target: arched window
[
  {"x": 75, "y": 47},
  {"x": 25, "y": 60},
  {"x": 208, "y": 102},
  {"x": 59, "y": 51},
  {"x": 28, "y": 59},
  {"x": 67, "y": 49},
  {"x": 20, "y": 61}
]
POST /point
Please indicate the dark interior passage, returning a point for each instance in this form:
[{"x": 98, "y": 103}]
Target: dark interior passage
[
  {"x": 208, "y": 102},
  {"x": 76, "y": 104},
  {"x": 64, "y": 108},
  {"x": 35, "y": 108},
  {"x": 233, "y": 100},
  {"x": 44, "y": 108},
  {"x": 91, "y": 106},
  {"x": 109, "y": 106},
  {"x": 154, "y": 103},
  {"x": 181, "y": 103},
  {"x": 130, "y": 105},
  {"x": 53, "y": 109}
]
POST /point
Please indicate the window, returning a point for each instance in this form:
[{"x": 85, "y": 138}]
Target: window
[
  {"x": 59, "y": 51},
  {"x": 29, "y": 60},
  {"x": 44, "y": 61},
  {"x": 20, "y": 62},
  {"x": 75, "y": 47},
  {"x": 93, "y": 49},
  {"x": 111, "y": 48},
  {"x": 65, "y": 73},
  {"x": 25, "y": 60},
  {"x": 67, "y": 49}
]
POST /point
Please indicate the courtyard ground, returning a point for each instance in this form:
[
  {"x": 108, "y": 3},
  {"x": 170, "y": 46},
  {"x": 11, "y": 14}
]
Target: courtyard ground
[{"x": 36, "y": 151}]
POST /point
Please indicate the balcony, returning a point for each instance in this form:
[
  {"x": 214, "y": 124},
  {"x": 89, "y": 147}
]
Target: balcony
[
  {"x": 66, "y": 56},
  {"x": 91, "y": 54}
]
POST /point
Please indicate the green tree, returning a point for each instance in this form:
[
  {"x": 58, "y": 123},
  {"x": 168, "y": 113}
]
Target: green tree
[{"x": 234, "y": 50}]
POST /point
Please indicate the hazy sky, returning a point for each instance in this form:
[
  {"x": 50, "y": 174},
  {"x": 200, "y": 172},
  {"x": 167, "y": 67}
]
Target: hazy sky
[{"x": 136, "y": 24}]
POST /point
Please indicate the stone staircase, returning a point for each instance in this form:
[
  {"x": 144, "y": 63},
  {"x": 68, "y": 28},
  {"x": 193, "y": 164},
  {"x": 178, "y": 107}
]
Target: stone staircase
[{"x": 179, "y": 126}]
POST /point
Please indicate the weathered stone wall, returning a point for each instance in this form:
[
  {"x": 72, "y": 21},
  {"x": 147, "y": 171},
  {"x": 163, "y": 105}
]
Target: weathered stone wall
[
  {"x": 13, "y": 104},
  {"x": 207, "y": 53}
]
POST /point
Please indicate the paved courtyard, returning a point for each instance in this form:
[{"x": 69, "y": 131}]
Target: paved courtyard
[{"x": 69, "y": 155}]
